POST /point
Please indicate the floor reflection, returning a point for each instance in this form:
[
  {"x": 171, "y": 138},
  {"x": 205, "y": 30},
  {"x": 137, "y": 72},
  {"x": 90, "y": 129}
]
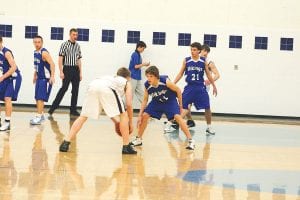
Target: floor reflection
[
  {"x": 31, "y": 166},
  {"x": 8, "y": 173},
  {"x": 36, "y": 179}
]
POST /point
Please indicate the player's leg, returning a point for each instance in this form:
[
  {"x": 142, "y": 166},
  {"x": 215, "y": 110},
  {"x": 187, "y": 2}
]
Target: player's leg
[
  {"x": 202, "y": 102},
  {"x": 11, "y": 91},
  {"x": 143, "y": 125},
  {"x": 10, "y": 94},
  {"x": 113, "y": 106},
  {"x": 40, "y": 96},
  {"x": 77, "y": 125},
  {"x": 138, "y": 141},
  {"x": 183, "y": 126},
  {"x": 172, "y": 124},
  {"x": 8, "y": 110},
  {"x": 172, "y": 111},
  {"x": 190, "y": 122},
  {"x": 209, "y": 129},
  {"x": 91, "y": 108},
  {"x": 184, "y": 113},
  {"x": 40, "y": 107},
  {"x": 187, "y": 100},
  {"x": 154, "y": 110},
  {"x": 124, "y": 129}
]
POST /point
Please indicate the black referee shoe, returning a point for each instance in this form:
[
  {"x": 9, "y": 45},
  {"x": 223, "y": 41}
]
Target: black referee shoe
[{"x": 128, "y": 149}]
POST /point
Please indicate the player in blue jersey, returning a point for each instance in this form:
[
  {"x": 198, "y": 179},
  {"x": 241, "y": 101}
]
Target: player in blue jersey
[
  {"x": 10, "y": 82},
  {"x": 43, "y": 78},
  {"x": 166, "y": 99},
  {"x": 205, "y": 49},
  {"x": 195, "y": 92}
]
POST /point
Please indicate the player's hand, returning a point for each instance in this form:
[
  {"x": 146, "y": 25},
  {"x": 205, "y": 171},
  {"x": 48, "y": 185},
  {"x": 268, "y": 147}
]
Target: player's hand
[
  {"x": 207, "y": 82},
  {"x": 215, "y": 91},
  {"x": 1, "y": 78},
  {"x": 52, "y": 80},
  {"x": 61, "y": 75},
  {"x": 146, "y": 64}
]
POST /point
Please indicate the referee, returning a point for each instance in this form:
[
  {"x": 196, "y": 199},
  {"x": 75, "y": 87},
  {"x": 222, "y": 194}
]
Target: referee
[{"x": 69, "y": 63}]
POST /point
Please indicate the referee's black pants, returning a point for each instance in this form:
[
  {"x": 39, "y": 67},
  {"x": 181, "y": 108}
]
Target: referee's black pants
[{"x": 72, "y": 75}]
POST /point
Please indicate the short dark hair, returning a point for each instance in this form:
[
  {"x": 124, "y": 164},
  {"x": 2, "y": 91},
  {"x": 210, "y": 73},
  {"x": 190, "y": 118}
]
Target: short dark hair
[
  {"x": 196, "y": 45},
  {"x": 123, "y": 72},
  {"x": 73, "y": 30},
  {"x": 141, "y": 44},
  {"x": 152, "y": 70},
  {"x": 38, "y": 36},
  {"x": 1, "y": 40},
  {"x": 205, "y": 47}
]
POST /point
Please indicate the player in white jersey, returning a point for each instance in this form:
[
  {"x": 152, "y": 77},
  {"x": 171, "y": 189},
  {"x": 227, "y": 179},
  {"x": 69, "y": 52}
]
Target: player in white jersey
[{"x": 106, "y": 94}]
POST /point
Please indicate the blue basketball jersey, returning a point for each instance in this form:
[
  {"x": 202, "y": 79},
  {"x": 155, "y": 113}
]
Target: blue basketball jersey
[
  {"x": 194, "y": 71},
  {"x": 160, "y": 93},
  {"x": 4, "y": 65},
  {"x": 41, "y": 67}
]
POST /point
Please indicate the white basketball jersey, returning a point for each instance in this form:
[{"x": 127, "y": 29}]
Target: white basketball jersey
[{"x": 116, "y": 83}]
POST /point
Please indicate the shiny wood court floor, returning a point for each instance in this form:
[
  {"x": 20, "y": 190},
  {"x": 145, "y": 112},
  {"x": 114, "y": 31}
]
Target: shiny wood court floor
[{"x": 242, "y": 161}]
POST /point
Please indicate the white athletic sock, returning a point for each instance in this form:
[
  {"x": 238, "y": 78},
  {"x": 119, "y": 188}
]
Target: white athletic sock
[
  {"x": 208, "y": 126},
  {"x": 39, "y": 115}
]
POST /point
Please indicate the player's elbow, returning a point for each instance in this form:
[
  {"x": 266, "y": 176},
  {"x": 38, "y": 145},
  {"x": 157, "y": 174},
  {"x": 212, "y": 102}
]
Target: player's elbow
[
  {"x": 178, "y": 90},
  {"x": 13, "y": 68}
]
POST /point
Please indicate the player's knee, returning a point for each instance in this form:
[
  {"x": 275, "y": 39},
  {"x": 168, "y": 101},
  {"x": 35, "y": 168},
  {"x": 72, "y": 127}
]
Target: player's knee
[
  {"x": 7, "y": 99},
  {"x": 178, "y": 118},
  {"x": 145, "y": 117},
  {"x": 124, "y": 117}
]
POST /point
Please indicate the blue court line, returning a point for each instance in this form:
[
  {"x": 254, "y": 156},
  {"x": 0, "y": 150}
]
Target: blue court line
[{"x": 272, "y": 181}]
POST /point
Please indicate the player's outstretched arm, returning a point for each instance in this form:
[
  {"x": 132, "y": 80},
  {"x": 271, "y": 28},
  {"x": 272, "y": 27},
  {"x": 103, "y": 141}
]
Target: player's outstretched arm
[{"x": 180, "y": 73}]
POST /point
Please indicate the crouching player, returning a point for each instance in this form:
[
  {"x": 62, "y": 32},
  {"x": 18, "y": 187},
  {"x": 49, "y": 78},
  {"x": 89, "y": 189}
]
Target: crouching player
[
  {"x": 166, "y": 99},
  {"x": 106, "y": 93}
]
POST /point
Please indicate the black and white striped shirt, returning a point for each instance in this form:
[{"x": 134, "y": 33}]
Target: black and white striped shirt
[{"x": 71, "y": 53}]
